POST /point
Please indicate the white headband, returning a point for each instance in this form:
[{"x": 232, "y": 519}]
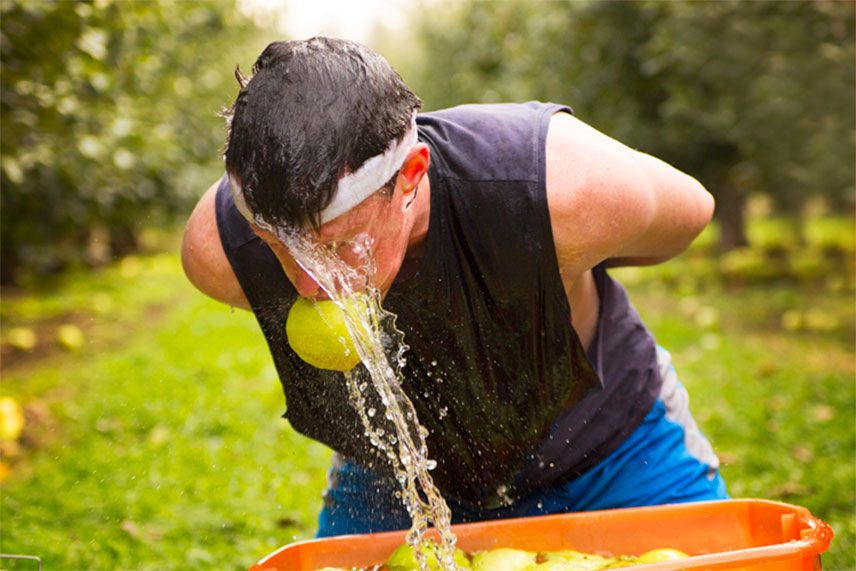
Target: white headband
[{"x": 352, "y": 188}]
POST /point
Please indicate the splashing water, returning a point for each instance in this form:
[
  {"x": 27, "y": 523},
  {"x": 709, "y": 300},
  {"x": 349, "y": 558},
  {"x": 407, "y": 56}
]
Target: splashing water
[{"x": 382, "y": 350}]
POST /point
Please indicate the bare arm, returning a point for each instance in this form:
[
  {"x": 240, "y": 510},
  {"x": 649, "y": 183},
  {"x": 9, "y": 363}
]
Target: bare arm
[
  {"x": 203, "y": 257},
  {"x": 609, "y": 202}
]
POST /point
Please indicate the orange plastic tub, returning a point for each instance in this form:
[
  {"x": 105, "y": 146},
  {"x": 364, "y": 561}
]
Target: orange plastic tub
[{"x": 728, "y": 534}]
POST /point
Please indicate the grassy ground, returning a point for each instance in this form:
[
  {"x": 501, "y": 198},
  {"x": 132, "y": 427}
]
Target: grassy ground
[{"x": 157, "y": 442}]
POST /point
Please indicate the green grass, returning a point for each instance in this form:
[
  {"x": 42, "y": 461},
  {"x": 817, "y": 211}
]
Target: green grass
[
  {"x": 159, "y": 443},
  {"x": 162, "y": 451}
]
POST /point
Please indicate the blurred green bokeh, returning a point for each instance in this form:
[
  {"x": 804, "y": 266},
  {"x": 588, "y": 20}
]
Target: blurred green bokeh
[
  {"x": 748, "y": 97},
  {"x": 109, "y": 109},
  {"x": 110, "y": 122}
]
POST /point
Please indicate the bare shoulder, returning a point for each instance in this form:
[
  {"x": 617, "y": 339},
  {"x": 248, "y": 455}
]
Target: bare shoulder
[
  {"x": 203, "y": 258},
  {"x": 608, "y": 201}
]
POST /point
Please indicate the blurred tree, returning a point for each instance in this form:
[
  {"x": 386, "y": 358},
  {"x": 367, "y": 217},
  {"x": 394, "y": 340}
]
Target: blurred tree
[
  {"x": 747, "y": 96},
  {"x": 109, "y": 114},
  {"x": 760, "y": 96}
]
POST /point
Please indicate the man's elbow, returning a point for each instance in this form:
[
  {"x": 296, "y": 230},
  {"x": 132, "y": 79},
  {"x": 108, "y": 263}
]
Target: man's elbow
[
  {"x": 191, "y": 257},
  {"x": 206, "y": 266},
  {"x": 708, "y": 205},
  {"x": 701, "y": 209}
]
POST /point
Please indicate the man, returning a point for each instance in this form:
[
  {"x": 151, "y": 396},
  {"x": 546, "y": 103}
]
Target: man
[{"x": 491, "y": 228}]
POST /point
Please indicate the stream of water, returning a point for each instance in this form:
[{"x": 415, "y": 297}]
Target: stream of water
[{"x": 382, "y": 349}]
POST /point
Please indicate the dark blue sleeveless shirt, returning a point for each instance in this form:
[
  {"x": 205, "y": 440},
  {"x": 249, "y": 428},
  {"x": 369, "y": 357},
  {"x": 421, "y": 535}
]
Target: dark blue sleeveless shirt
[{"x": 496, "y": 373}]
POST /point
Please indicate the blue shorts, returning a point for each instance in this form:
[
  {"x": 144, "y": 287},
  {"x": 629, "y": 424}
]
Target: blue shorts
[{"x": 665, "y": 460}]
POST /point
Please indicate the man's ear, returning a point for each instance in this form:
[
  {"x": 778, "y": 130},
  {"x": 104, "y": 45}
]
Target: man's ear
[{"x": 414, "y": 168}]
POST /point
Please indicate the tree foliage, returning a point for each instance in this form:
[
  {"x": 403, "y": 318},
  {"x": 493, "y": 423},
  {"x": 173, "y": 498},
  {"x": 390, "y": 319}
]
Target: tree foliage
[
  {"x": 750, "y": 97},
  {"x": 109, "y": 114},
  {"x": 108, "y": 109}
]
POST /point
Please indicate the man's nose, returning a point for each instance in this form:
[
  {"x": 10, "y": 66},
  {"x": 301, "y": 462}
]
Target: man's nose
[{"x": 306, "y": 285}]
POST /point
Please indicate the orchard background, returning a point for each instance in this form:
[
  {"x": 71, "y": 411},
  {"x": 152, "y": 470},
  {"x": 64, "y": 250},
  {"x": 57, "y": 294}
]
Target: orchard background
[{"x": 141, "y": 422}]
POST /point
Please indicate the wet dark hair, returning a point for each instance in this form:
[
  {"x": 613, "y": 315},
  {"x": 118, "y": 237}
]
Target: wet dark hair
[{"x": 312, "y": 111}]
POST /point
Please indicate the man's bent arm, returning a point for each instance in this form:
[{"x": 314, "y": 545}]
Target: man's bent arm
[
  {"x": 203, "y": 257},
  {"x": 610, "y": 202}
]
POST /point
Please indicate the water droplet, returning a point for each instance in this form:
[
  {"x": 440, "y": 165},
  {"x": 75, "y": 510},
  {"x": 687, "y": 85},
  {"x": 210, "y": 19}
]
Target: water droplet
[{"x": 371, "y": 412}]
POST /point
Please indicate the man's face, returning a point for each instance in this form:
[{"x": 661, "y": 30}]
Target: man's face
[{"x": 378, "y": 222}]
